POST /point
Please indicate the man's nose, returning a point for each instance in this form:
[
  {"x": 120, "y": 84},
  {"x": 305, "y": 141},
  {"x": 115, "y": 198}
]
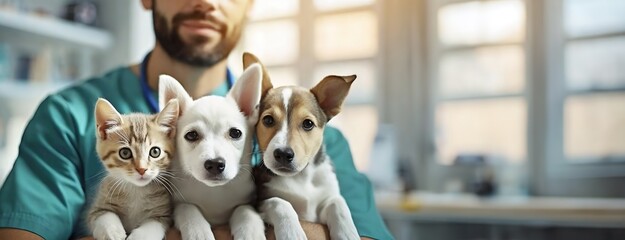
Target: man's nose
[{"x": 205, "y": 5}]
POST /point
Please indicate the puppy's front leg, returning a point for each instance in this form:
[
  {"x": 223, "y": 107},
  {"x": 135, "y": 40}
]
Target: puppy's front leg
[
  {"x": 246, "y": 223},
  {"x": 336, "y": 215},
  {"x": 280, "y": 213},
  {"x": 191, "y": 223}
]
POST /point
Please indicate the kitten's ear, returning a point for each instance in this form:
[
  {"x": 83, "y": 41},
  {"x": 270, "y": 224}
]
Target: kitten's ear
[
  {"x": 331, "y": 92},
  {"x": 169, "y": 88},
  {"x": 246, "y": 91},
  {"x": 248, "y": 60},
  {"x": 168, "y": 117},
  {"x": 106, "y": 117}
]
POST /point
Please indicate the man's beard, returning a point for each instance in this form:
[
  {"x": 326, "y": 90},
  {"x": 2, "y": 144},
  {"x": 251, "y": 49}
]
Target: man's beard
[{"x": 192, "y": 53}]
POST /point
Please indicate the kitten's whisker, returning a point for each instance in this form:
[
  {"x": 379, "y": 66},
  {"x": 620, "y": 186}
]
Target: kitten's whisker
[
  {"x": 175, "y": 188},
  {"x": 162, "y": 184}
]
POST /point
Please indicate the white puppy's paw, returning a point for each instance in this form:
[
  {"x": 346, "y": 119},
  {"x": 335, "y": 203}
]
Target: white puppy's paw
[
  {"x": 252, "y": 233},
  {"x": 290, "y": 231},
  {"x": 246, "y": 224},
  {"x": 200, "y": 230},
  {"x": 344, "y": 233}
]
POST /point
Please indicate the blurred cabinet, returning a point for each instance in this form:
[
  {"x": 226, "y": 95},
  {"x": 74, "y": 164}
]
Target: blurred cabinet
[{"x": 39, "y": 54}]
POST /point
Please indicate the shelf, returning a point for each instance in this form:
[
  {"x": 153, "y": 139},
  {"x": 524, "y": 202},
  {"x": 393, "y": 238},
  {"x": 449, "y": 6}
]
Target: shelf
[
  {"x": 21, "y": 98},
  {"x": 49, "y": 28}
]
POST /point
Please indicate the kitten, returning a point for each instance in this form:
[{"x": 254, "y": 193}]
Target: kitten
[{"x": 136, "y": 150}]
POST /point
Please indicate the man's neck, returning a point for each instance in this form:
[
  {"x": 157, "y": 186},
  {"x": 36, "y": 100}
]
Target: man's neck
[{"x": 198, "y": 81}]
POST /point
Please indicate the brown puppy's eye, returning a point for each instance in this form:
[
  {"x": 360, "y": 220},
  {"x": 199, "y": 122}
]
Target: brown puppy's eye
[
  {"x": 125, "y": 153},
  {"x": 308, "y": 125},
  {"x": 268, "y": 121}
]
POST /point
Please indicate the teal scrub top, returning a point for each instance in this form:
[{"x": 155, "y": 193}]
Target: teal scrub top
[{"x": 57, "y": 171}]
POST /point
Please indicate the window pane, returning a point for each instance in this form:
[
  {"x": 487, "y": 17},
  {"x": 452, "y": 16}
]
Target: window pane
[
  {"x": 482, "y": 22},
  {"x": 264, "y": 9},
  {"x": 350, "y": 35},
  {"x": 334, "y": 4},
  {"x": 284, "y": 76},
  {"x": 594, "y": 126},
  {"x": 359, "y": 125},
  {"x": 482, "y": 71},
  {"x": 591, "y": 17},
  {"x": 597, "y": 63},
  {"x": 493, "y": 128},
  {"x": 363, "y": 88},
  {"x": 275, "y": 42}
]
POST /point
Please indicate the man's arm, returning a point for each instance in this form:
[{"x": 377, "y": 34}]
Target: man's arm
[
  {"x": 355, "y": 187},
  {"x": 43, "y": 193},
  {"x": 12, "y": 233}
]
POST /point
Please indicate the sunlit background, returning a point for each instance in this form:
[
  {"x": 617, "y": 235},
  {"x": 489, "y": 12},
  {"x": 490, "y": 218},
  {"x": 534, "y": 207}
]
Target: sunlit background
[{"x": 451, "y": 96}]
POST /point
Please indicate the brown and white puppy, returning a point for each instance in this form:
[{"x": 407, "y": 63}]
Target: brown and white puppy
[{"x": 296, "y": 180}]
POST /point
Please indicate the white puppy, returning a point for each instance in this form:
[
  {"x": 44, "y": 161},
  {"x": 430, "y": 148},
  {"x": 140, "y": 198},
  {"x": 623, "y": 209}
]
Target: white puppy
[{"x": 212, "y": 166}]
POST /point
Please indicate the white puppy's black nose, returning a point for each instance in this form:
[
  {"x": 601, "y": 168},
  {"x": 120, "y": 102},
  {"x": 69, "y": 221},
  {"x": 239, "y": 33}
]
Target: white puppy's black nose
[
  {"x": 215, "y": 165},
  {"x": 284, "y": 155}
]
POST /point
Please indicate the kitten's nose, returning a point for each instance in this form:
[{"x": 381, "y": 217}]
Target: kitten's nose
[
  {"x": 215, "y": 165},
  {"x": 284, "y": 155},
  {"x": 141, "y": 171}
]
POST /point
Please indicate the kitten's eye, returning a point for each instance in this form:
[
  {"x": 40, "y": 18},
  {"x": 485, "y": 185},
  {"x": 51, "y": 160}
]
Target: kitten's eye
[
  {"x": 268, "y": 121},
  {"x": 125, "y": 153},
  {"x": 235, "y": 133},
  {"x": 308, "y": 125},
  {"x": 155, "y": 152},
  {"x": 192, "y": 136}
]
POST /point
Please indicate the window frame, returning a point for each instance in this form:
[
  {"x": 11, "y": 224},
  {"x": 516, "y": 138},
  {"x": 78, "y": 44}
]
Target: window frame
[{"x": 545, "y": 94}]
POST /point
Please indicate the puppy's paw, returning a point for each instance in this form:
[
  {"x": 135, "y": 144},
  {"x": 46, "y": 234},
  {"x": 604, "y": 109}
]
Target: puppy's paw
[
  {"x": 109, "y": 232},
  {"x": 344, "y": 233},
  {"x": 251, "y": 232},
  {"x": 290, "y": 231},
  {"x": 200, "y": 230}
]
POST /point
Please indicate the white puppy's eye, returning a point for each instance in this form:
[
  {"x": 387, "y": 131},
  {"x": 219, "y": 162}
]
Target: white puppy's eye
[
  {"x": 192, "y": 136},
  {"x": 308, "y": 125},
  {"x": 235, "y": 133},
  {"x": 125, "y": 153},
  {"x": 155, "y": 152}
]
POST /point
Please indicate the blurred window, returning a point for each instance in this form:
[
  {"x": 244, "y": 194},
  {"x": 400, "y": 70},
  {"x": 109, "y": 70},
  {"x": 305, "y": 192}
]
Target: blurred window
[
  {"x": 594, "y": 69},
  {"x": 480, "y": 105},
  {"x": 302, "y": 41}
]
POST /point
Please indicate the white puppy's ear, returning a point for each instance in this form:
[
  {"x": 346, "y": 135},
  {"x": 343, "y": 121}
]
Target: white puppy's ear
[
  {"x": 168, "y": 117},
  {"x": 246, "y": 91},
  {"x": 106, "y": 117},
  {"x": 169, "y": 88}
]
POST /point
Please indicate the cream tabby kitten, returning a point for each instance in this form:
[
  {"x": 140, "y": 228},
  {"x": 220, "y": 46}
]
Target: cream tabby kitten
[{"x": 136, "y": 150}]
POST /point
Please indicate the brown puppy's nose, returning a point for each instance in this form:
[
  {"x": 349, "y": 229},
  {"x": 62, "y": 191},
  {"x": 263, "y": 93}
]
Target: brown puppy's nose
[
  {"x": 284, "y": 155},
  {"x": 215, "y": 166}
]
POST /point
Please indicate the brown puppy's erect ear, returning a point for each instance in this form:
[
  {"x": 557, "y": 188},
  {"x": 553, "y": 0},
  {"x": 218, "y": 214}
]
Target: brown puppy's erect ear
[
  {"x": 331, "y": 92},
  {"x": 249, "y": 59}
]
